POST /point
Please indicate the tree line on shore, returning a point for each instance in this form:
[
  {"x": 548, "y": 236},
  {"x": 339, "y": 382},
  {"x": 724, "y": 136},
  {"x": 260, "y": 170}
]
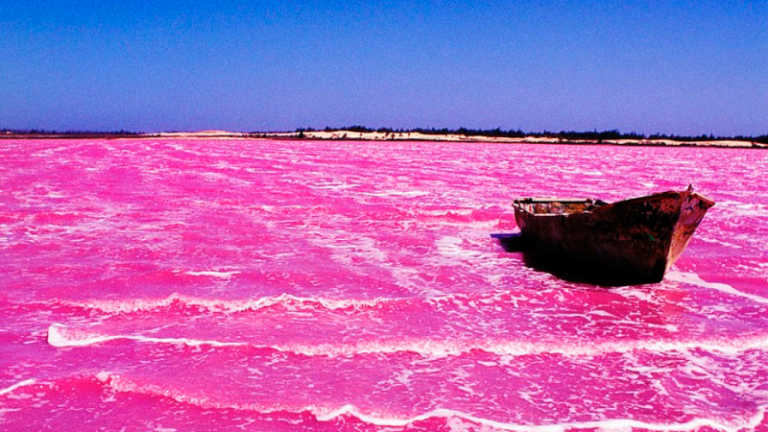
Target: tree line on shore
[
  {"x": 594, "y": 135},
  {"x": 598, "y": 136},
  {"x": 67, "y": 132}
]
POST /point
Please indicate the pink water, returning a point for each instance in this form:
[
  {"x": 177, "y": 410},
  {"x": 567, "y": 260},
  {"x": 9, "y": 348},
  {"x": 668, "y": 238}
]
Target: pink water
[{"x": 264, "y": 285}]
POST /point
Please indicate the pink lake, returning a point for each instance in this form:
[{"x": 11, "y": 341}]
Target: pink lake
[{"x": 196, "y": 285}]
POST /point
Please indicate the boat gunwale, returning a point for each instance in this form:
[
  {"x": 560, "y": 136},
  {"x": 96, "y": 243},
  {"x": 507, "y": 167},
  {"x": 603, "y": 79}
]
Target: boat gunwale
[
  {"x": 704, "y": 198},
  {"x": 518, "y": 204}
]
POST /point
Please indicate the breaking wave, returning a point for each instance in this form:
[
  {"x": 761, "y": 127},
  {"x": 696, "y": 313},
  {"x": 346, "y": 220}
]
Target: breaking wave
[
  {"x": 293, "y": 303},
  {"x": 13, "y": 387},
  {"x": 327, "y": 414},
  {"x": 61, "y": 336},
  {"x": 694, "y": 279},
  {"x": 287, "y": 301},
  {"x": 114, "y": 382}
]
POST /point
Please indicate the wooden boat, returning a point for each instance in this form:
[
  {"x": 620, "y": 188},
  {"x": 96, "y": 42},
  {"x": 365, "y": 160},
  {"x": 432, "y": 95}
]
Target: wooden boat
[{"x": 637, "y": 239}]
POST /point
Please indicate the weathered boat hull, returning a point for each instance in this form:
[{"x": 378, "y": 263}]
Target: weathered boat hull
[{"x": 638, "y": 239}]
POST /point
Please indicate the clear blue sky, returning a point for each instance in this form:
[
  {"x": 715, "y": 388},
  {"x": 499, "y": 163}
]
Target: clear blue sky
[{"x": 684, "y": 67}]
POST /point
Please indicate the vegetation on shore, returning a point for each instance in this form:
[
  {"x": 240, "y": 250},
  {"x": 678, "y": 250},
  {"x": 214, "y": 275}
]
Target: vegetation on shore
[
  {"x": 67, "y": 134},
  {"x": 562, "y": 136},
  {"x": 594, "y": 135}
]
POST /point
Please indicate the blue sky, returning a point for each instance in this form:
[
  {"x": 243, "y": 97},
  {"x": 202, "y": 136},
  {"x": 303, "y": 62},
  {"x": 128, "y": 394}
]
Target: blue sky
[{"x": 684, "y": 67}]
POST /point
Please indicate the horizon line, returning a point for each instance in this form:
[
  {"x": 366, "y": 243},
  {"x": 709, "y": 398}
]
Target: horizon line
[{"x": 605, "y": 134}]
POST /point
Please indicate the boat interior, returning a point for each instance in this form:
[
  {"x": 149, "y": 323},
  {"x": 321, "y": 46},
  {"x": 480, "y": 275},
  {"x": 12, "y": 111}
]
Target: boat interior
[{"x": 557, "y": 206}]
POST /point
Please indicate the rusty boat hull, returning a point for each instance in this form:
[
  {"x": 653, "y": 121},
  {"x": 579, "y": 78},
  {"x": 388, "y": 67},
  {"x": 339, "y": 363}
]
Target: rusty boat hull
[{"x": 637, "y": 239}]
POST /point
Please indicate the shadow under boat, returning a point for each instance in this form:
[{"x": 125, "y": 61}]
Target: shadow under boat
[
  {"x": 629, "y": 242},
  {"x": 563, "y": 268}
]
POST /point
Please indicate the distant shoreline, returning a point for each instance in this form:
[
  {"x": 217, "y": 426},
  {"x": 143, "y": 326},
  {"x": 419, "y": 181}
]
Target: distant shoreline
[
  {"x": 374, "y": 136},
  {"x": 423, "y": 137}
]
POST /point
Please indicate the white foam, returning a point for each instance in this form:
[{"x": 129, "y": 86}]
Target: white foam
[
  {"x": 450, "y": 247},
  {"x": 608, "y": 424},
  {"x": 741, "y": 209},
  {"x": 62, "y": 336},
  {"x": 694, "y": 279},
  {"x": 346, "y": 249},
  {"x": 325, "y": 415},
  {"x": 407, "y": 194},
  {"x": 333, "y": 186},
  {"x": 287, "y": 300},
  {"x": 217, "y": 274},
  {"x": 404, "y": 276},
  {"x": 103, "y": 376},
  {"x": 10, "y": 389},
  {"x": 451, "y": 212}
]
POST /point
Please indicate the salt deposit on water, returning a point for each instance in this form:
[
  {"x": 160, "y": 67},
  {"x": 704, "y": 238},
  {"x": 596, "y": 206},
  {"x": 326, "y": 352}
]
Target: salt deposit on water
[{"x": 265, "y": 285}]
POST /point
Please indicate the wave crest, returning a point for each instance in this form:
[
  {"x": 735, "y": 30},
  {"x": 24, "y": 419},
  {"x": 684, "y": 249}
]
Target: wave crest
[
  {"x": 61, "y": 336},
  {"x": 329, "y": 414},
  {"x": 287, "y": 301},
  {"x": 13, "y": 387}
]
